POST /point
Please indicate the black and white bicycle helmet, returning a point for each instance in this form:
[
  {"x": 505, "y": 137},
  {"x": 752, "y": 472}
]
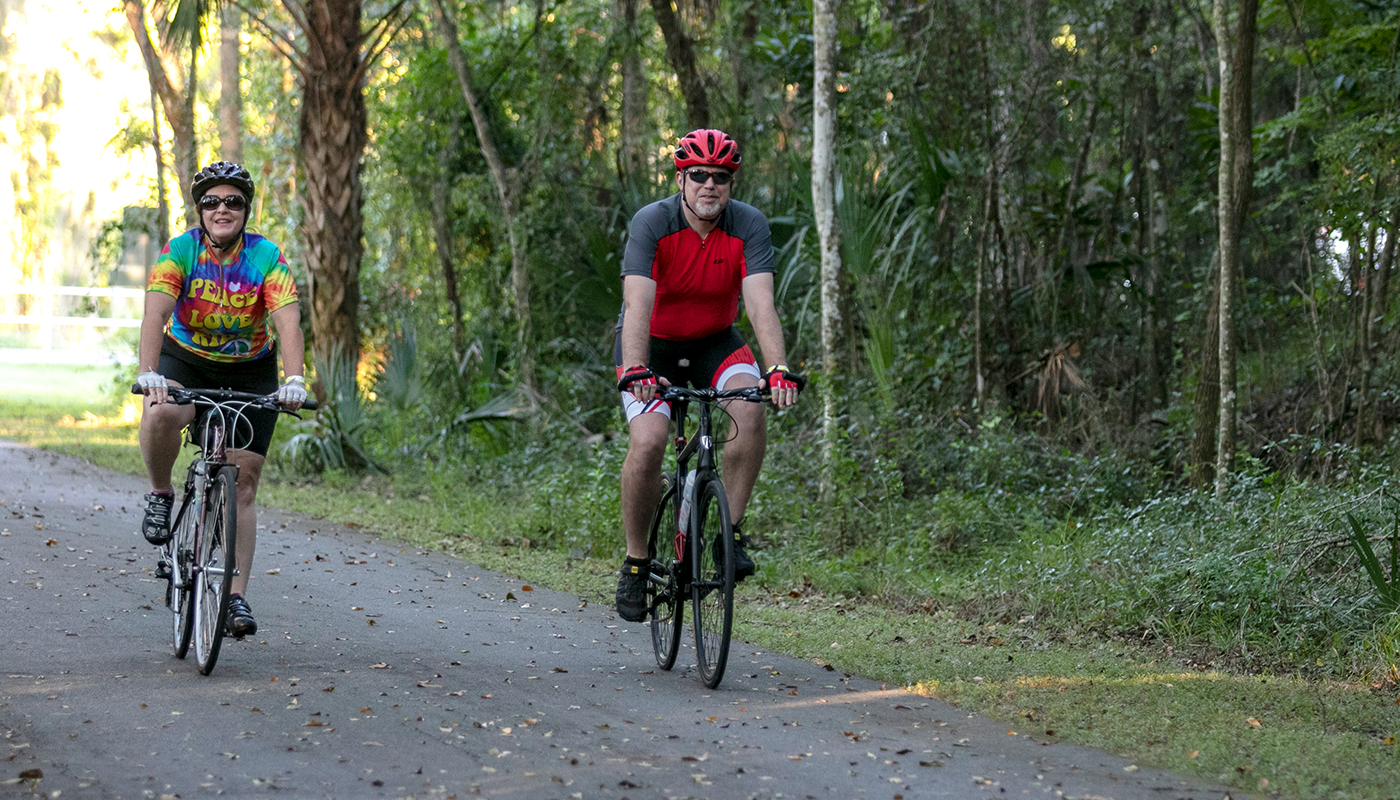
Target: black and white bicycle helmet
[{"x": 218, "y": 173}]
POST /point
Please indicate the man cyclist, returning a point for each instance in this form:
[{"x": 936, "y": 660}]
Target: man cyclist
[
  {"x": 209, "y": 300},
  {"x": 689, "y": 259}
]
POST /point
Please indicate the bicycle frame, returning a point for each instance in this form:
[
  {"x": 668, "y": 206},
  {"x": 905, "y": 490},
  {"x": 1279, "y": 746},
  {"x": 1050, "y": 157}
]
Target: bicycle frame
[
  {"x": 701, "y": 445},
  {"x": 197, "y": 554},
  {"x": 208, "y": 434}
]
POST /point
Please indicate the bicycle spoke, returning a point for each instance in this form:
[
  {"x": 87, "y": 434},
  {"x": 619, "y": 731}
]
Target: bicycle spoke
[
  {"x": 216, "y": 549},
  {"x": 664, "y": 603},
  {"x": 712, "y": 551}
]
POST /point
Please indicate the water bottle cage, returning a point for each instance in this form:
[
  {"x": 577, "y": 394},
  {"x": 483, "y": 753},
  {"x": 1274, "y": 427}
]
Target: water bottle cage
[{"x": 680, "y": 546}]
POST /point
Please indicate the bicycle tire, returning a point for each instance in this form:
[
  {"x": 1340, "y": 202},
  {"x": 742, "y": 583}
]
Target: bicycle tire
[
  {"x": 181, "y": 597},
  {"x": 664, "y": 596},
  {"x": 214, "y": 570},
  {"x": 712, "y": 585}
]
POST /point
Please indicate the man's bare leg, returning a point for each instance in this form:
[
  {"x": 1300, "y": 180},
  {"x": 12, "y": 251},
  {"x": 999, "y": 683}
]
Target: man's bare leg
[
  {"x": 641, "y": 478},
  {"x": 743, "y": 456}
]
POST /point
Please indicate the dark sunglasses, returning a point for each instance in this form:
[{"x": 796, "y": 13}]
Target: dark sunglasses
[
  {"x": 235, "y": 202},
  {"x": 700, "y": 176}
]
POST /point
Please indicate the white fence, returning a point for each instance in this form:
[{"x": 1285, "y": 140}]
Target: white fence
[{"x": 67, "y": 324}]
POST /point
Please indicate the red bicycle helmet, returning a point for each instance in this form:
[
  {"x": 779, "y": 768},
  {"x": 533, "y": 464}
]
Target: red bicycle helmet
[{"x": 707, "y": 147}]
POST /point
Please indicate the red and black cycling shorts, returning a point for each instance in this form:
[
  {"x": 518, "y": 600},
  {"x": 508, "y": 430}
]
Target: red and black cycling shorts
[{"x": 713, "y": 360}]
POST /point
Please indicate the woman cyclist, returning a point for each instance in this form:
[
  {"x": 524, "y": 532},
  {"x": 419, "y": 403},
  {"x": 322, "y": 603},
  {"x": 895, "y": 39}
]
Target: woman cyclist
[{"x": 209, "y": 301}]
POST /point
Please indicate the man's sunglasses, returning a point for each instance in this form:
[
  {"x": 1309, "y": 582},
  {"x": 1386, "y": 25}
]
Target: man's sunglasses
[
  {"x": 700, "y": 176},
  {"x": 234, "y": 202}
]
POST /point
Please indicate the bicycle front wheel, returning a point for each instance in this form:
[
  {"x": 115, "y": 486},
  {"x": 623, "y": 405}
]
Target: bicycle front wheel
[
  {"x": 214, "y": 566},
  {"x": 663, "y": 591},
  {"x": 712, "y": 587},
  {"x": 180, "y": 554}
]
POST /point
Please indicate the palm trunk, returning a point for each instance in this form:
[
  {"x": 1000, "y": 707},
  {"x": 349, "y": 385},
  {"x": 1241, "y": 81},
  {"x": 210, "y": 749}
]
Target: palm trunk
[
  {"x": 824, "y": 210},
  {"x": 1236, "y": 46},
  {"x": 230, "y": 94},
  {"x": 332, "y": 138},
  {"x": 519, "y": 277}
]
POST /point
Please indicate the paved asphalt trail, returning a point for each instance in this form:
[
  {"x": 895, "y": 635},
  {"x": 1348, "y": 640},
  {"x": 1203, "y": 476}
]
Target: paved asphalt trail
[{"x": 385, "y": 671}]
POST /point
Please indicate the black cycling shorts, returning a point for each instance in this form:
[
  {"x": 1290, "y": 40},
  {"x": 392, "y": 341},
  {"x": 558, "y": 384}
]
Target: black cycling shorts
[
  {"x": 258, "y": 376},
  {"x": 700, "y": 363}
]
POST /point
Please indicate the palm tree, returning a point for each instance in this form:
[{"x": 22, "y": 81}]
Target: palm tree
[{"x": 332, "y": 56}]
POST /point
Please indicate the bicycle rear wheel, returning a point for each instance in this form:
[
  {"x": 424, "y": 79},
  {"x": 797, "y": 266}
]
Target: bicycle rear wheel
[
  {"x": 663, "y": 593},
  {"x": 712, "y": 589},
  {"x": 214, "y": 565},
  {"x": 181, "y": 556}
]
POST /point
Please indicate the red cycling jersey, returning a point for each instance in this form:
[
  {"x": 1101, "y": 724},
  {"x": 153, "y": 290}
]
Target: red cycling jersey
[{"x": 698, "y": 281}]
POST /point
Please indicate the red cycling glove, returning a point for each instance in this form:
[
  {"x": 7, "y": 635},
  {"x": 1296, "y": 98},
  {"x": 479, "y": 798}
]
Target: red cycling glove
[
  {"x": 780, "y": 377},
  {"x": 635, "y": 375}
]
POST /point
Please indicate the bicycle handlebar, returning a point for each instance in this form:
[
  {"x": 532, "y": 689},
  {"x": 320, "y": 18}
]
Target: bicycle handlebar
[
  {"x": 752, "y": 394},
  {"x": 182, "y": 397}
]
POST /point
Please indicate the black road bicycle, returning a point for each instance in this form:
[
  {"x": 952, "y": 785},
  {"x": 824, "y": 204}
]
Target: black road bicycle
[
  {"x": 691, "y": 541},
  {"x": 199, "y": 560}
]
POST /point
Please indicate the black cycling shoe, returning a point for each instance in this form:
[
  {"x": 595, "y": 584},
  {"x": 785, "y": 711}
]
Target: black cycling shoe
[
  {"x": 743, "y": 562},
  {"x": 240, "y": 618},
  {"x": 156, "y": 526},
  {"x": 632, "y": 589}
]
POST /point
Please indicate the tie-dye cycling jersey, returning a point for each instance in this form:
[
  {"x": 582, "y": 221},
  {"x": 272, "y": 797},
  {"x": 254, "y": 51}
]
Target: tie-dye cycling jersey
[{"x": 222, "y": 310}]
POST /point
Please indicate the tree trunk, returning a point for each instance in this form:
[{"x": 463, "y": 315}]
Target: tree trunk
[
  {"x": 332, "y": 139},
  {"x": 742, "y": 116},
  {"x": 978, "y": 367},
  {"x": 165, "y": 72},
  {"x": 681, "y": 53},
  {"x": 442, "y": 237},
  {"x": 1236, "y": 49},
  {"x": 633, "y": 158},
  {"x": 230, "y": 93},
  {"x": 824, "y": 210},
  {"x": 1383, "y": 276},
  {"x": 1206, "y": 408},
  {"x": 162, "y": 201},
  {"x": 1366, "y": 330},
  {"x": 1147, "y": 127},
  {"x": 519, "y": 277}
]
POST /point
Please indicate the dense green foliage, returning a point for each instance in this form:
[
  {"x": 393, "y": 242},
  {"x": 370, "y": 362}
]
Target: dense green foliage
[{"x": 1060, "y": 157}]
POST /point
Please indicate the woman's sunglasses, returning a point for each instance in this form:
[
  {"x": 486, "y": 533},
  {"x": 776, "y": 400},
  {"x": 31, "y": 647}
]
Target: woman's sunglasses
[
  {"x": 700, "y": 176},
  {"x": 234, "y": 202}
]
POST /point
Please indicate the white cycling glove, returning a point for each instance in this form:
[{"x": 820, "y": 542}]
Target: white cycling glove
[
  {"x": 151, "y": 380},
  {"x": 293, "y": 392}
]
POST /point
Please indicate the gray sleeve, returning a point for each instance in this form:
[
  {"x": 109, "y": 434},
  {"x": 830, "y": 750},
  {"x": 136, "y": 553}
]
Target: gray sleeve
[
  {"x": 752, "y": 227},
  {"x": 643, "y": 236}
]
